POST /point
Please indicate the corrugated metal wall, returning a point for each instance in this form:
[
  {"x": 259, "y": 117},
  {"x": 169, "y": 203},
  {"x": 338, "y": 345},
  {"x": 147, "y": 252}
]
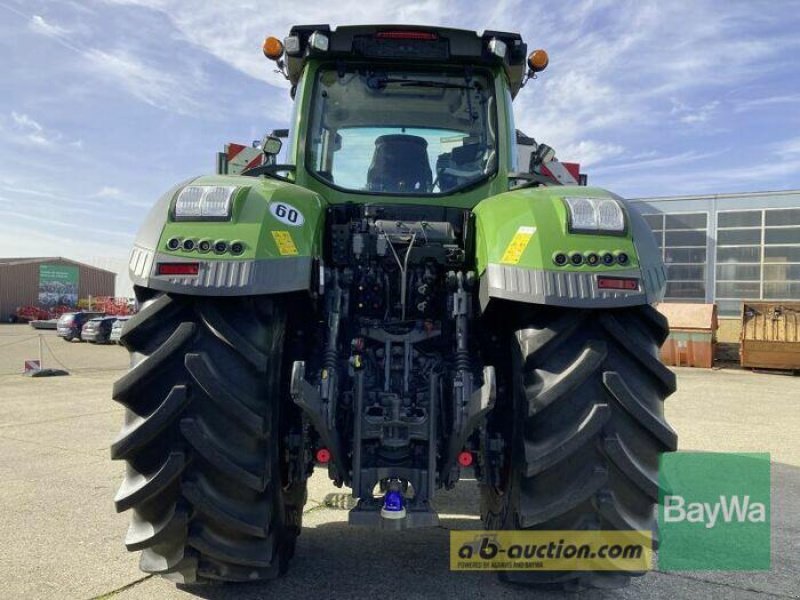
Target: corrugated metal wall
[{"x": 19, "y": 283}]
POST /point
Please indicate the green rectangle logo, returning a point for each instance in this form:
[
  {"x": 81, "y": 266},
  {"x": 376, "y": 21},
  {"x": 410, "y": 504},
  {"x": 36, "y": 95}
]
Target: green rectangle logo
[
  {"x": 714, "y": 511},
  {"x": 58, "y": 286}
]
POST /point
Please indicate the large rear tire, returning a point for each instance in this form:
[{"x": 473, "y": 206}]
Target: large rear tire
[
  {"x": 584, "y": 430},
  {"x": 203, "y": 434}
]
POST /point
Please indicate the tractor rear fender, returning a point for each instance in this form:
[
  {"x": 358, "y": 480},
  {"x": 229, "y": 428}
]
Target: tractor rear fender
[
  {"x": 520, "y": 234},
  {"x": 267, "y": 246}
]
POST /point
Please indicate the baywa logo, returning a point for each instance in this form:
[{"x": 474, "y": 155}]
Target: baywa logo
[
  {"x": 715, "y": 511},
  {"x": 729, "y": 508}
]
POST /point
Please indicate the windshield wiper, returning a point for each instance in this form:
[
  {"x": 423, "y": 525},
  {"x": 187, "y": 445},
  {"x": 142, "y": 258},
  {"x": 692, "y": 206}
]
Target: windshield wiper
[
  {"x": 378, "y": 83},
  {"x": 432, "y": 84}
]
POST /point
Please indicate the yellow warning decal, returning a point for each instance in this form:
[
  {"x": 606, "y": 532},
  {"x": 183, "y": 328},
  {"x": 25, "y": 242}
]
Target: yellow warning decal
[
  {"x": 285, "y": 243},
  {"x": 517, "y": 245}
]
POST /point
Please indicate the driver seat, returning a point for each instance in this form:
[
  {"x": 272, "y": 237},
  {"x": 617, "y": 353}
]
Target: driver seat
[{"x": 400, "y": 164}]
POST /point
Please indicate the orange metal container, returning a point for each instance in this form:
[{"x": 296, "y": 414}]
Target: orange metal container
[
  {"x": 770, "y": 335},
  {"x": 692, "y": 335}
]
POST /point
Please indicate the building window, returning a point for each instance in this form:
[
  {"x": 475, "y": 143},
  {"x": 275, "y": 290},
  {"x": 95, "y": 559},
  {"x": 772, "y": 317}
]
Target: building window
[
  {"x": 781, "y": 254},
  {"x": 739, "y": 242},
  {"x": 683, "y": 239},
  {"x": 758, "y": 257}
]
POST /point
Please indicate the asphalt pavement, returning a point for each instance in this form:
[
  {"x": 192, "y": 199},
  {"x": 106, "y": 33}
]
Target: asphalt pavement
[{"x": 60, "y": 537}]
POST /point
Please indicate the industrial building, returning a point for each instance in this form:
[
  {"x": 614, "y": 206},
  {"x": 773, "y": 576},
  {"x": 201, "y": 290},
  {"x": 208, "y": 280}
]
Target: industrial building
[
  {"x": 726, "y": 248},
  {"x": 48, "y": 282}
]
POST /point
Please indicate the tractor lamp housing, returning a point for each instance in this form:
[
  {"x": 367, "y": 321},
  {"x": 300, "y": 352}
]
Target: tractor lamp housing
[
  {"x": 595, "y": 215},
  {"x": 292, "y": 45},
  {"x": 319, "y": 41},
  {"x": 498, "y": 47},
  {"x": 204, "y": 203}
]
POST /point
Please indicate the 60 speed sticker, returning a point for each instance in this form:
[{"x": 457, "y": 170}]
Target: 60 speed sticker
[{"x": 287, "y": 214}]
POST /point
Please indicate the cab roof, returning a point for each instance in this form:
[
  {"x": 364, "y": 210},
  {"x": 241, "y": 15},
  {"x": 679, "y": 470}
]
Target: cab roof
[{"x": 407, "y": 45}]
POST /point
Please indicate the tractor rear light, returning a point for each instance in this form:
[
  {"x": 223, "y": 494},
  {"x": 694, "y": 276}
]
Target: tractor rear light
[
  {"x": 189, "y": 201},
  {"x": 618, "y": 283},
  {"x": 498, "y": 47},
  {"x": 291, "y": 45},
  {"x": 319, "y": 41},
  {"x": 204, "y": 202},
  {"x": 178, "y": 268},
  {"x": 595, "y": 215},
  {"x": 217, "y": 201},
  {"x": 465, "y": 458},
  {"x": 582, "y": 216},
  {"x": 425, "y": 36},
  {"x": 609, "y": 216},
  {"x": 323, "y": 456}
]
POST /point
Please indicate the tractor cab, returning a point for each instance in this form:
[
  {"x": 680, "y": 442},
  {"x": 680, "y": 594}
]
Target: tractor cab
[{"x": 403, "y": 112}]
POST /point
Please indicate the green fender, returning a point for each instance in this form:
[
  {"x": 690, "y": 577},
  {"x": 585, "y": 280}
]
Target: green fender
[
  {"x": 278, "y": 226},
  {"x": 518, "y": 234}
]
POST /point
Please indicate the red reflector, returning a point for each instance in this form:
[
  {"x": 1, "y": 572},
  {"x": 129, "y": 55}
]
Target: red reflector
[
  {"x": 323, "y": 456},
  {"x": 178, "y": 268},
  {"x": 407, "y": 35},
  {"x": 617, "y": 283},
  {"x": 465, "y": 458}
]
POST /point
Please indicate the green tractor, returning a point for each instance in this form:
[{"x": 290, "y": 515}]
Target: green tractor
[{"x": 397, "y": 303}]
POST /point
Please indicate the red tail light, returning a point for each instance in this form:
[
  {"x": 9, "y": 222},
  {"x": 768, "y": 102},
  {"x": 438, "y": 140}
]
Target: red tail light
[
  {"x": 323, "y": 456},
  {"x": 618, "y": 283},
  {"x": 465, "y": 458},
  {"x": 178, "y": 268},
  {"x": 407, "y": 35}
]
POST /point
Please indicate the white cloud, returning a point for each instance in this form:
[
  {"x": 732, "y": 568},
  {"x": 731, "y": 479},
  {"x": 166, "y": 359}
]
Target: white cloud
[
  {"x": 692, "y": 115},
  {"x": 152, "y": 84},
  {"x": 756, "y": 103},
  {"x": 40, "y": 25},
  {"x": 590, "y": 152},
  {"x": 24, "y": 130},
  {"x": 661, "y": 162},
  {"x": 108, "y": 192},
  {"x": 28, "y": 126},
  {"x": 787, "y": 149}
]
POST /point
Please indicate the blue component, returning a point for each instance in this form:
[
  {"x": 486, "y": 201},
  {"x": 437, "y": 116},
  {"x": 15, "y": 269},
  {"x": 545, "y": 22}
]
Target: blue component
[{"x": 393, "y": 501}]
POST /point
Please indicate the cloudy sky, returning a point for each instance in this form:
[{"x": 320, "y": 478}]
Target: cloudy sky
[{"x": 106, "y": 104}]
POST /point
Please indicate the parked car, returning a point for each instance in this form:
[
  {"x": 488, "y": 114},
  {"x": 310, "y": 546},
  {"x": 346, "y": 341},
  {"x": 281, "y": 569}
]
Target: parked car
[
  {"x": 70, "y": 324},
  {"x": 98, "y": 331},
  {"x": 116, "y": 330}
]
